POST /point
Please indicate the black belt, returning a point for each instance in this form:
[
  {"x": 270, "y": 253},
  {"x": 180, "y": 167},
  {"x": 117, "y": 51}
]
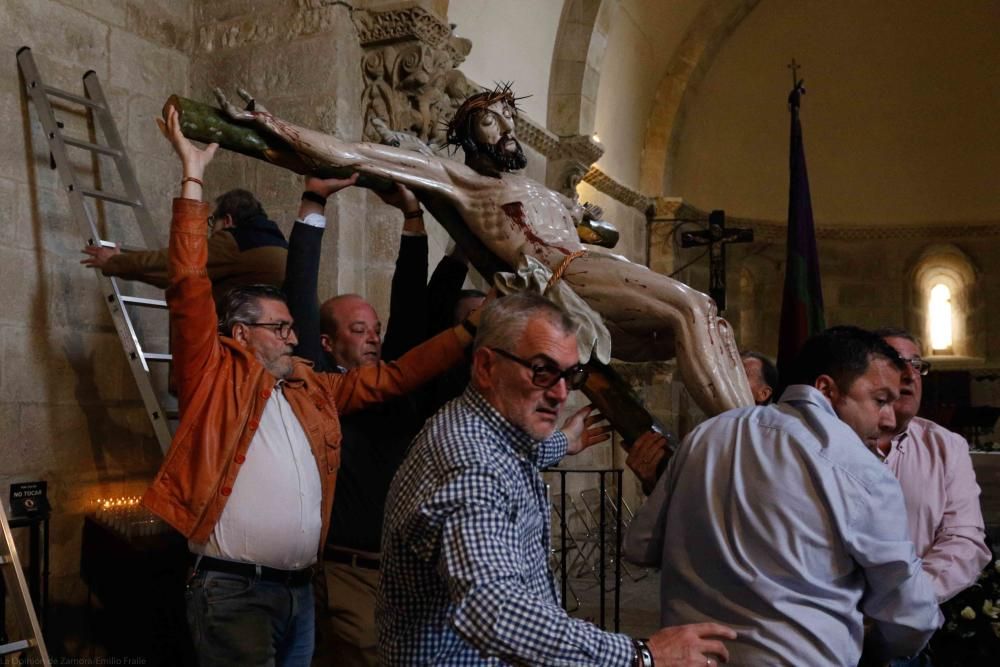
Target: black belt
[
  {"x": 352, "y": 559},
  {"x": 251, "y": 571}
]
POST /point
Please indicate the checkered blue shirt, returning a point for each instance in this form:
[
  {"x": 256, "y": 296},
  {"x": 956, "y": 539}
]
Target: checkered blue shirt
[{"x": 465, "y": 551}]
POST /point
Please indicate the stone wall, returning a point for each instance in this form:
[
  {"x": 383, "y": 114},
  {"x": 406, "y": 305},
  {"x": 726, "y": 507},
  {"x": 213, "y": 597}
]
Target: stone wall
[{"x": 69, "y": 410}]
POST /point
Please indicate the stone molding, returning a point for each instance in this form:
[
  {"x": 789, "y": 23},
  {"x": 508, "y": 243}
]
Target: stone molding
[
  {"x": 773, "y": 232},
  {"x": 403, "y": 23},
  {"x": 581, "y": 148},
  {"x": 537, "y": 137},
  {"x": 626, "y": 195},
  {"x": 263, "y": 28}
]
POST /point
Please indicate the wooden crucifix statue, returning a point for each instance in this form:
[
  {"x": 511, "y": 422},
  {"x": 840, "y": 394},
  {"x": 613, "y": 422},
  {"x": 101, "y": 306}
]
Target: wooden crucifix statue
[{"x": 506, "y": 215}]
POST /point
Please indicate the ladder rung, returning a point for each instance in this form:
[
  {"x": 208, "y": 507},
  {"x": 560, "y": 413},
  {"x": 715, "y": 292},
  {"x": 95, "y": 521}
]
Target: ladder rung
[
  {"x": 107, "y": 196},
  {"x": 111, "y": 244},
  {"x": 156, "y": 356},
  {"x": 14, "y": 647},
  {"x": 55, "y": 92},
  {"x": 97, "y": 148},
  {"x": 143, "y": 301}
]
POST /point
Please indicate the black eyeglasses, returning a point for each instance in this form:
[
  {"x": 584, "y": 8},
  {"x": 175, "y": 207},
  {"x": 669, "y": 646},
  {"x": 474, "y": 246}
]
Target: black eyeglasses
[
  {"x": 281, "y": 329},
  {"x": 919, "y": 365},
  {"x": 547, "y": 376}
]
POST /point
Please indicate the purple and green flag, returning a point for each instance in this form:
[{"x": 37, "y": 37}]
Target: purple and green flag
[{"x": 802, "y": 301}]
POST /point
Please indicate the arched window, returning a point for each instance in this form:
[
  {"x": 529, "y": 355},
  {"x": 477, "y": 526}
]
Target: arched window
[
  {"x": 943, "y": 310},
  {"x": 939, "y": 318}
]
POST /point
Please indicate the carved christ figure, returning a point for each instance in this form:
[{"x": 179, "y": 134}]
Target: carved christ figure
[{"x": 650, "y": 316}]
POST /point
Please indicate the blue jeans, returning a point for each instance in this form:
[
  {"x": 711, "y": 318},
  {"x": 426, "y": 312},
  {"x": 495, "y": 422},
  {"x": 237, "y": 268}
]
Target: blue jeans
[{"x": 237, "y": 620}]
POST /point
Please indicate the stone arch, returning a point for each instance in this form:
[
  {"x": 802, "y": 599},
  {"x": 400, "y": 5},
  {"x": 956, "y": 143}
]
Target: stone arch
[
  {"x": 691, "y": 61},
  {"x": 946, "y": 264},
  {"x": 576, "y": 65}
]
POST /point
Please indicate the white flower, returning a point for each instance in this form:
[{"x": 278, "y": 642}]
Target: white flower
[
  {"x": 996, "y": 565},
  {"x": 991, "y": 610},
  {"x": 968, "y": 613}
]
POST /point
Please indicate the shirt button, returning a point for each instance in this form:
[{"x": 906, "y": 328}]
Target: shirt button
[
  {"x": 226, "y": 490},
  {"x": 265, "y": 394},
  {"x": 253, "y": 424},
  {"x": 240, "y": 458}
]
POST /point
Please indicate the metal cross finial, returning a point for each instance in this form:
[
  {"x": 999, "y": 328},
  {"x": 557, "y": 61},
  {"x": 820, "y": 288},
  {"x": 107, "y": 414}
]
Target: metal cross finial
[{"x": 794, "y": 66}]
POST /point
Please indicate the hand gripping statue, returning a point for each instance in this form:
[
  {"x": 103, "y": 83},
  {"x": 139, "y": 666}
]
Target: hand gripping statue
[{"x": 649, "y": 316}]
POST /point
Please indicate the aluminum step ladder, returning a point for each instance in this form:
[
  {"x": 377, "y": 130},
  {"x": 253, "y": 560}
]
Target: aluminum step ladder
[
  {"x": 30, "y": 648},
  {"x": 117, "y": 302}
]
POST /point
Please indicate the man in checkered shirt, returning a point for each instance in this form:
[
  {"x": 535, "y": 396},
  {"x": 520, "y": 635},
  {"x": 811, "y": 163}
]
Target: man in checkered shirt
[{"x": 466, "y": 541}]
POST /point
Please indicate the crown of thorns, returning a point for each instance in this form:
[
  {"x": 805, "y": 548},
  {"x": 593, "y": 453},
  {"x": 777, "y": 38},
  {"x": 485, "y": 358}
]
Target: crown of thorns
[{"x": 460, "y": 127}]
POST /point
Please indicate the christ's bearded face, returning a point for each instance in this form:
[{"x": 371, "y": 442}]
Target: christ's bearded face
[{"x": 493, "y": 132}]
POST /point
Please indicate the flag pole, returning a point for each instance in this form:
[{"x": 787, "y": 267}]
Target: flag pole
[{"x": 802, "y": 299}]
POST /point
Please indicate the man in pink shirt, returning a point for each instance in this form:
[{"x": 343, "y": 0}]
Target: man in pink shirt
[{"x": 935, "y": 471}]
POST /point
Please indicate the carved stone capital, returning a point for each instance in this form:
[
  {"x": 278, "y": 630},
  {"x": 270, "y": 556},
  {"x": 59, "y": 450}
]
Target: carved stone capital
[{"x": 409, "y": 68}]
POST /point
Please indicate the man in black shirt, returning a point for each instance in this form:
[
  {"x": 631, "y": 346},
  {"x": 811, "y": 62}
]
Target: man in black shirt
[{"x": 344, "y": 333}]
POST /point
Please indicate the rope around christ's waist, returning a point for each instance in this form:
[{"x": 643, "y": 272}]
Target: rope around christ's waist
[{"x": 563, "y": 265}]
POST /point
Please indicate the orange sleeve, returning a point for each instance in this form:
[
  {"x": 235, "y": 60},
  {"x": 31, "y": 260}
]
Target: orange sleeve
[{"x": 363, "y": 386}]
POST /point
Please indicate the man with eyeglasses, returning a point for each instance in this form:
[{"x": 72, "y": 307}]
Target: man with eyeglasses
[
  {"x": 934, "y": 469},
  {"x": 251, "y": 473},
  {"x": 245, "y": 248},
  {"x": 465, "y": 547}
]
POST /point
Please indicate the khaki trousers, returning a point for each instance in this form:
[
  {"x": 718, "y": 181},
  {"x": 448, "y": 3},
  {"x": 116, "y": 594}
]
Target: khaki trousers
[{"x": 345, "y": 616}]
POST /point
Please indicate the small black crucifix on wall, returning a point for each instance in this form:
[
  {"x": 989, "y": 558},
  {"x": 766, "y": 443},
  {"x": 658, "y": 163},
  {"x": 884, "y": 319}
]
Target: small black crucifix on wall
[{"x": 716, "y": 237}]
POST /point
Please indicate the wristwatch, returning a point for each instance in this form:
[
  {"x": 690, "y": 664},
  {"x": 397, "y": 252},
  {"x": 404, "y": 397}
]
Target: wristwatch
[{"x": 642, "y": 656}]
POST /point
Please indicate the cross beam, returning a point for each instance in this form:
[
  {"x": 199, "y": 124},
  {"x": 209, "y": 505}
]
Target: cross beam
[{"x": 716, "y": 237}]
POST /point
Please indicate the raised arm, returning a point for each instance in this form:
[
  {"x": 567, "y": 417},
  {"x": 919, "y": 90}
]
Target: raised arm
[
  {"x": 302, "y": 268},
  {"x": 195, "y": 338},
  {"x": 414, "y": 170},
  {"x": 407, "y": 324}
]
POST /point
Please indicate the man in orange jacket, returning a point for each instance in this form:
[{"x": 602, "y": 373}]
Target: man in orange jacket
[{"x": 250, "y": 476}]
